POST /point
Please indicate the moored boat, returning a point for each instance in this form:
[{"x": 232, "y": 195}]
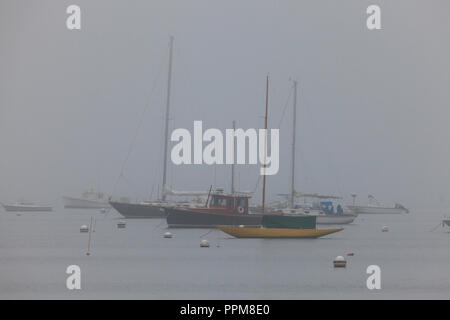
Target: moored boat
[
  {"x": 221, "y": 209},
  {"x": 26, "y": 207},
  {"x": 279, "y": 225},
  {"x": 143, "y": 210},
  {"x": 324, "y": 211},
  {"x": 246, "y": 232},
  {"x": 374, "y": 207},
  {"x": 89, "y": 200},
  {"x": 150, "y": 209},
  {"x": 335, "y": 218},
  {"x": 156, "y": 208},
  {"x": 397, "y": 209}
]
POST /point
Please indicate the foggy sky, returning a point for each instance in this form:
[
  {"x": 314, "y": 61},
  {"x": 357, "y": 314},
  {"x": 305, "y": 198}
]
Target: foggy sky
[{"x": 373, "y": 106}]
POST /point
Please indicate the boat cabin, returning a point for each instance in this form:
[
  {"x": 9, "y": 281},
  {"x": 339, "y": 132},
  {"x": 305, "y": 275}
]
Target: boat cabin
[{"x": 230, "y": 203}]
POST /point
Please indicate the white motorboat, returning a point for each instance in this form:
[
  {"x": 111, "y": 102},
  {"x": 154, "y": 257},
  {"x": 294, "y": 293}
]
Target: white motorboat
[
  {"x": 26, "y": 207},
  {"x": 89, "y": 200},
  {"x": 373, "y": 207}
]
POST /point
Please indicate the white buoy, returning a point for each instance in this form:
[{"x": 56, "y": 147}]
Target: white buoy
[
  {"x": 167, "y": 235},
  {"x": 121, "y": 224},
  {"x": 385, "y": 229},
  {"x": 84, "y": 228},
  {"x": 339, "y": 262},
  {"x": 103, "y": 210},
  {"x": 204, "y": 244}
]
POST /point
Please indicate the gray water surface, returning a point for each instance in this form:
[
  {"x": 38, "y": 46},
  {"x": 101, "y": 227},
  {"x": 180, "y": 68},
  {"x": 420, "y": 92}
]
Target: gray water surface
[{"x": 138, "y": 263}]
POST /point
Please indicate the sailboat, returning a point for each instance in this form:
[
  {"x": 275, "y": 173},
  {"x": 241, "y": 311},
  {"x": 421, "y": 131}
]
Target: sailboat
[
  {"x": 152, "y": 209},
  {"x": 323, "y": 210},
  {"x": 278, "y": 226}
]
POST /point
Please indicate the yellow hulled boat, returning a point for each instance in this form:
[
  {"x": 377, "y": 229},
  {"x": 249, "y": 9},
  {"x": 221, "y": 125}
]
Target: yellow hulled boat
[{"x": 250, "y": 232}]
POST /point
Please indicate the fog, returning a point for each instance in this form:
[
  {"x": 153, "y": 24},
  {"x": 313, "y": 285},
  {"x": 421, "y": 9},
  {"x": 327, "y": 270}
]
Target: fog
[{"x": 373, "y": 106}]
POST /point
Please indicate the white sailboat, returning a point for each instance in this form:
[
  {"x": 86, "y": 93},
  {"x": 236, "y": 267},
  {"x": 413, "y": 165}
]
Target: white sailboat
[{"x": 322, "y": 216}]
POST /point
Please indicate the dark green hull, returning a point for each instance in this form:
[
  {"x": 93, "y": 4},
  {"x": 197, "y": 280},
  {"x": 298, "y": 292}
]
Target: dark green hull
[{"x": 289, "y": 221}]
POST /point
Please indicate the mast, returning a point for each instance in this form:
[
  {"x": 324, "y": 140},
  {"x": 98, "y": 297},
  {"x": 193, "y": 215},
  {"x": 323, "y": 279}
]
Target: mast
[
  {"x": 166, "y": 129},
  {"x": 232, "y": 165},
  {"x": 265, "y": 145},
  {"x": 294, "y": 124}
]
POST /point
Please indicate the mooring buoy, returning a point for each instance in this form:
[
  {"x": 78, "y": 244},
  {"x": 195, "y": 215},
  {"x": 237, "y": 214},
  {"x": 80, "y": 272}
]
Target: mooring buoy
[
  {"x": 339, "y": 262},
  {"x": 84, "y": 228},
  {"x": 121, "y": 224},
  {"x": 385, "y": 229},
  {"x": 167, "y": 235},
  {"x": 204, "y": 244}
]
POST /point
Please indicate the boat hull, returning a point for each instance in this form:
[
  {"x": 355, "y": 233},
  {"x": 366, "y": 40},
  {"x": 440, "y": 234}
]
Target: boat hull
[
  {"x": 79, "y": 203},
  {"x": 377, "y": 210},
  {"x": 27, "y": 208},
  {"x": 139, "y": 210},
  {"x": 335, "y": 219},
  {"x": 184, "y": 218},
  {"x": 273, "y": 233}
]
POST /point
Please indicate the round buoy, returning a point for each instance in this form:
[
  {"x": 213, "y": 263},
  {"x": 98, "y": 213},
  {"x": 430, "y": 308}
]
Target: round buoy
[
  {"x": 121, "y": 224},
  {"x": 204, "y": 244},
  {"x": 385, "y": 229},
  {"x": 84, "y": 228},
  {"x": 167, "y": 235},
  {"x": 103, "y": 210},
  {"x": 339, "y": 262}
]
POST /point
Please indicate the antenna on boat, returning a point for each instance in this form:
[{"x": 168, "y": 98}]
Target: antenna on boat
[
  {"x": 294, "y": 124},
  {"x": 232, "y": 165},
  {"x": 354, "y": 197},
  {"x": 166, "y": 129},
  {"x": 265, "y": 145}
]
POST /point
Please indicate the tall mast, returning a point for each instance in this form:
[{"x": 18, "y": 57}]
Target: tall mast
[
  {"x": 294, "y": 124},
  {"x": 166, "y": 129},
  {"x": 232, "y": 165},
  {"x": 265, "y": 145}
]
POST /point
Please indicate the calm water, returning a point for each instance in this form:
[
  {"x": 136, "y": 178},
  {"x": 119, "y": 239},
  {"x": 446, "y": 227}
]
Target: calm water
[{"x": 137, "y": 262}]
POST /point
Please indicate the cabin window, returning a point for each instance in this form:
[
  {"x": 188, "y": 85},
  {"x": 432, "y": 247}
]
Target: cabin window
[
  {"x": 241, "y": 202},
  {"x": 221, "y": 202}
]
